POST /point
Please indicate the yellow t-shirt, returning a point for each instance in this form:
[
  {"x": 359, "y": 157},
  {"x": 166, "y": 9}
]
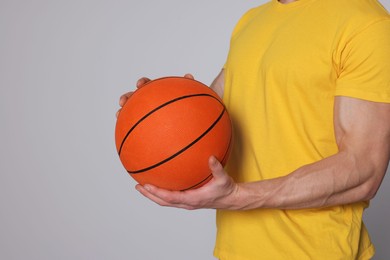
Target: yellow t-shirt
[{"x": 286, "y": 64}]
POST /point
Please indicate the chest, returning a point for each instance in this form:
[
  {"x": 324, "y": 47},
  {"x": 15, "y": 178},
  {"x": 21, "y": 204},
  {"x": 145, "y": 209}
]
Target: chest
[{"x": 287, "y": 52}]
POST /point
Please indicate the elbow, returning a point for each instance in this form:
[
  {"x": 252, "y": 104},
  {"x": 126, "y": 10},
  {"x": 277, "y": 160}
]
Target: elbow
[
  {"x": 368, "y": 191},
  {"x": 371, "y": 175},
  {"x": 370, "y": 188}
]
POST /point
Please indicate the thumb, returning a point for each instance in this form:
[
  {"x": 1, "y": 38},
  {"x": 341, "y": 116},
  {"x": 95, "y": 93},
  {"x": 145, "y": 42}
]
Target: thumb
[{"x": 216, "y": 167}]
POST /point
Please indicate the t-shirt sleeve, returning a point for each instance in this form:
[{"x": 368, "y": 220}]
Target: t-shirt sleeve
[{"x": 365, "y": 64}]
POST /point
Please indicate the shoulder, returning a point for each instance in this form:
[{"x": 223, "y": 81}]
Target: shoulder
[
  {"x": 348, "y": 18},
  {"x": 248, "y": 16},
  {"x": 357, "y": 11}
]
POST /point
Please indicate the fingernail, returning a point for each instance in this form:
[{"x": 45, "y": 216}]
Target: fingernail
[{"x": 147, "y": 187}]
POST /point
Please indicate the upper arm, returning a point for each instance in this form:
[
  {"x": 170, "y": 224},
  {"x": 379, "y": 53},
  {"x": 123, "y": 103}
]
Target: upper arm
[
  {"x": 362, "y": 130},
  {"x": 362, "y": 127}
]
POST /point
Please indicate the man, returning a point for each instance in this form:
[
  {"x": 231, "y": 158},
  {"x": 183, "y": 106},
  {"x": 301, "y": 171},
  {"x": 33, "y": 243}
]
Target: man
[{"x": 307, "y": 85}]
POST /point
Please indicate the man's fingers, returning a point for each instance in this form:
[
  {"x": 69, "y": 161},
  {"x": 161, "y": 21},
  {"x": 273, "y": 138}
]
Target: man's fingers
[
  {"x": 189, "y": 76},
  {"x": 142, "y": 81},
  {"x": 123, "y": 99},
  {"x": 162, "y": 197},
  {"x": 148, "y": 194}
]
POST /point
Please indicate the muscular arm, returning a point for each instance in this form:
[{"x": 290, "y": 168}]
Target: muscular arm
[{"x": 354, "y": 174}]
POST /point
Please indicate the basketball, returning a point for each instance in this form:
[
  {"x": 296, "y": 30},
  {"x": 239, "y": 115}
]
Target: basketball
[{"x": 168, "y": 129}]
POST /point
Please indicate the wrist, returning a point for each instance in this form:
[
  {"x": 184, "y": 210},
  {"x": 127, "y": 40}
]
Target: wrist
[{"x": 246, "y": 197}]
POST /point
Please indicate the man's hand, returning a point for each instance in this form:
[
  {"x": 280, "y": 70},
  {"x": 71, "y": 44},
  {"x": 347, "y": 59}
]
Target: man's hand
[{"x": 221, "y": 192}]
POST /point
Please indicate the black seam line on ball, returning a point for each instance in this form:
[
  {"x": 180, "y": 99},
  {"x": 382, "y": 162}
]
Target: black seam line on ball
[
  {"x": 159, "y": 107},
  {"x": 182, "y": 150},
  {"x": 199, "y": 183},
  {"x": 205, "y": 179},
  {"x": 228, "y": 148}
]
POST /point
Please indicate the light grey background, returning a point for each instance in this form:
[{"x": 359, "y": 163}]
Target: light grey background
[{"x": 63, "y": 66}]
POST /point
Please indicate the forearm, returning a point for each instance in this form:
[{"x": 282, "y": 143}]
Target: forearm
[{"x": 336, "y": 180}]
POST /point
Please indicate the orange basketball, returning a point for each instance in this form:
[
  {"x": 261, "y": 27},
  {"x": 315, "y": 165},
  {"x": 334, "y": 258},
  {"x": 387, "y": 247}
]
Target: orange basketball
[{"x": 167, "y": 131}]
